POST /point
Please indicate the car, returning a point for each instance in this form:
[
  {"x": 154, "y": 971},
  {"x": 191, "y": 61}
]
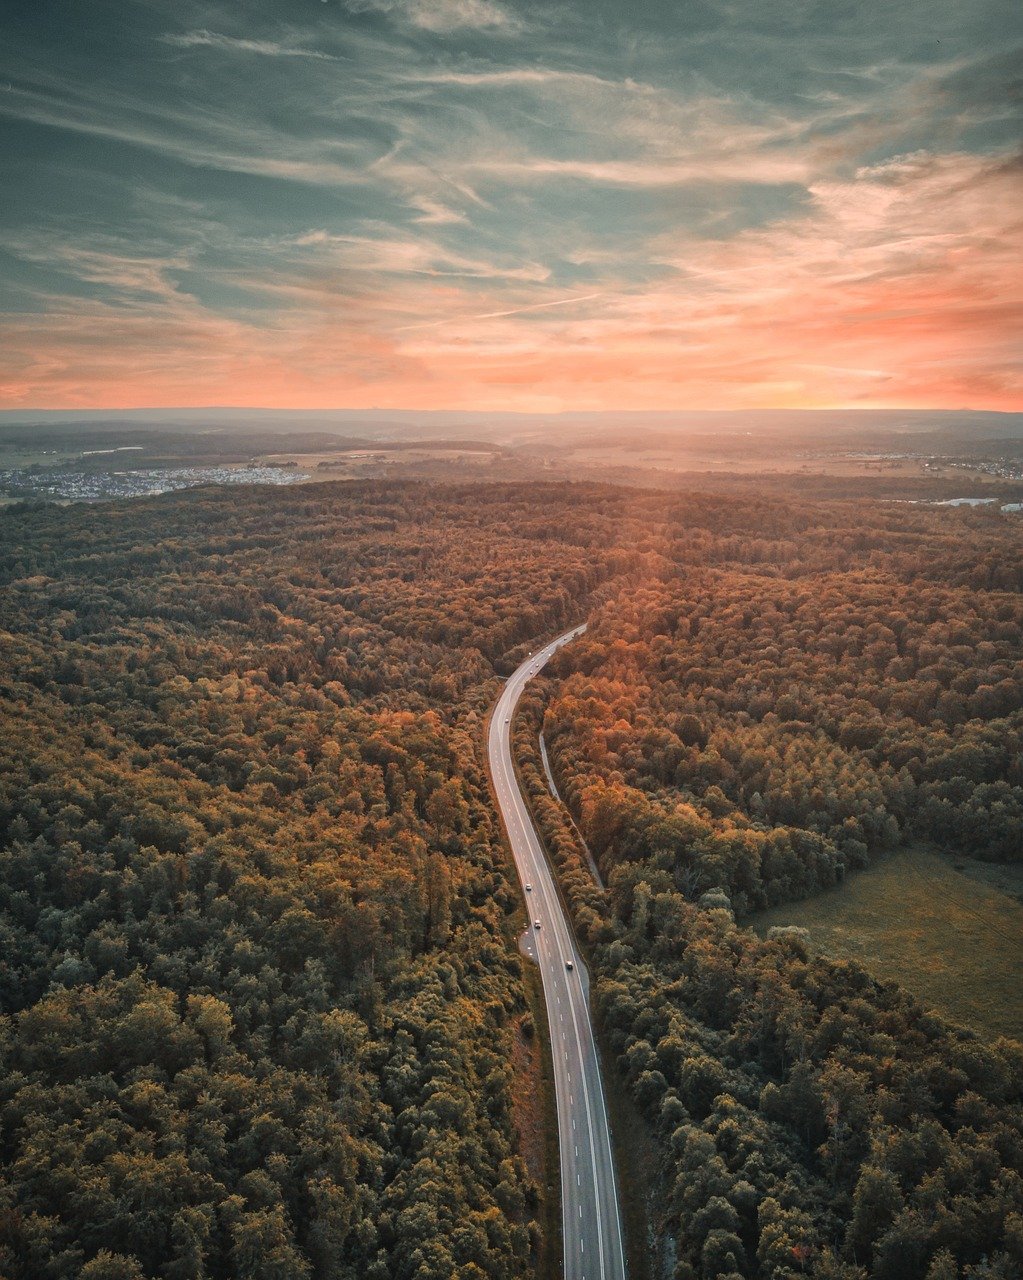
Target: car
[
  {"x": 568, "y": 964},
  {"x": 529, "y": 888},
  {"x": 536, "y": 924},
  {"x": 507, "y": 719}
]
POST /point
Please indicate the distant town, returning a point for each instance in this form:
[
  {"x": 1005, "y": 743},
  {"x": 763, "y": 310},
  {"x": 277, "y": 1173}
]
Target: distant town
[{"x": 78, "y": 486}]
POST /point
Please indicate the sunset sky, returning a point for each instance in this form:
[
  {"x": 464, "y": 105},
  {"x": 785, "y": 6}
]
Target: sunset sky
[{"x": 579, "y": 204}]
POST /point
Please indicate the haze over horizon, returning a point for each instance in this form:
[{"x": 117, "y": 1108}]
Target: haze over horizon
[{"x": 486, "y": 205}]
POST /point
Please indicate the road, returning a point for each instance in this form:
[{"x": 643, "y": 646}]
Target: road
[{"x": 591, "y": 1221}]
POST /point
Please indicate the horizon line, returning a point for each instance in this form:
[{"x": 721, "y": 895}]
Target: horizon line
[{"x": 507, "y": 413}]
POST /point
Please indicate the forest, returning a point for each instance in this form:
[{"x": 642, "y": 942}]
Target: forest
[
  {"x": 752, "y": 725},
  {"x": 773, "y": 738},
  {"x": 258, "y": 974},
  {"x": 255, "y": 971}
]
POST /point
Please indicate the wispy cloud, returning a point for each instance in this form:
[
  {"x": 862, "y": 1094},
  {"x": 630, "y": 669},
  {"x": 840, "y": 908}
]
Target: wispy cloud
[
  {"x": 436, "y": 212},
  {"x": 444, "y": 15},
  {"x": 499, "y": 315},
  {"x": 518, "y": 77},
  {"x": 204, "y": 142},
  {"x": 411, "y": 256},
  {"x": 264, "y": 48},
  {"x": 763, "y": 168},
  {"x": 126, "y": 276}
]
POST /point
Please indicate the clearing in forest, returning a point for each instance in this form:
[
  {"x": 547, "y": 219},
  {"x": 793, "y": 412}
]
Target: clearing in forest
[{"x": 948, "y": 935}]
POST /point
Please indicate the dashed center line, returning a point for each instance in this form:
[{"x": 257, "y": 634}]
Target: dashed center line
[{"x": 554, "y": 943}]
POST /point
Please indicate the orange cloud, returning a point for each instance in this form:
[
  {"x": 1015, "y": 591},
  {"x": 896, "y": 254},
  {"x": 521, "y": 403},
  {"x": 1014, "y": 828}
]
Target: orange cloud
[{"x": 897, "y": 287}]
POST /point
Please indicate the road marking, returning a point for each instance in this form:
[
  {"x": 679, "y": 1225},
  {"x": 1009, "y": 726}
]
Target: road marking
[{"x": 529, "y": 856}]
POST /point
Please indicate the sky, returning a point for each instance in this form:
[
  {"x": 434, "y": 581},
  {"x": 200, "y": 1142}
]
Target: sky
[{"x": 495, "y": 204}]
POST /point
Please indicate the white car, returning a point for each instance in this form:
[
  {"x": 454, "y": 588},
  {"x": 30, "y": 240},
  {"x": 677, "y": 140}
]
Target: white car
[
  {"x": 568, "y": 964},
  {"x": 529, "y": 888},
  {"x": 536, "y": 924}
]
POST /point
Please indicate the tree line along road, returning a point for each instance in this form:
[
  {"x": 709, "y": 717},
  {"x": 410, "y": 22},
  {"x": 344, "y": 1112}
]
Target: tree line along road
[{"x": 591, "y": 1221}]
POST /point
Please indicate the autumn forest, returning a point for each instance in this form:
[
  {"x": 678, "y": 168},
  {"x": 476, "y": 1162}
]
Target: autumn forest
[{"x": 260, "y": 986}]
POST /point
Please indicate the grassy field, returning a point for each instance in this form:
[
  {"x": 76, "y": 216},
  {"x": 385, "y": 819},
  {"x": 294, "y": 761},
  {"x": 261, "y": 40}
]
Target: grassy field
[{"x": 952, "y": 934}]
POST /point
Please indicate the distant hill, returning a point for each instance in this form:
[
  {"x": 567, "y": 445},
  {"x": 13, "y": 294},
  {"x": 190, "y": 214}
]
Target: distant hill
[{"x": 951, "y": 425}]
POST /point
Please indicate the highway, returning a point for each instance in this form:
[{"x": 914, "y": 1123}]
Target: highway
[{"x": 592, "y": 1229}]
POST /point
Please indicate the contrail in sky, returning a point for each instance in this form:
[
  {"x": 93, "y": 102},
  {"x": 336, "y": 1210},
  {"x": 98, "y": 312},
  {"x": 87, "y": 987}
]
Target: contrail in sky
[{"x": 494, "y": 315}]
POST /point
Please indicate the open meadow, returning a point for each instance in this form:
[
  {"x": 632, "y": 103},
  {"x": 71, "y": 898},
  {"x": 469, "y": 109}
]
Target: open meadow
[{"x": 944, "y": 934}]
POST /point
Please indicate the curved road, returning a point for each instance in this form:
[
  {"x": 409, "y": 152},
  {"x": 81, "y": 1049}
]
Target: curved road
[{"x": 591, "y": 1223}]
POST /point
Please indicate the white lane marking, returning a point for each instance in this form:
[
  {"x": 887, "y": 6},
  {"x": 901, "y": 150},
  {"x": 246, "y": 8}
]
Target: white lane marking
[
  {"x": 532, "y": 856},
  {"x": 614, "y": 1180},
  {"x": 592, "y": 1131}
]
